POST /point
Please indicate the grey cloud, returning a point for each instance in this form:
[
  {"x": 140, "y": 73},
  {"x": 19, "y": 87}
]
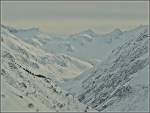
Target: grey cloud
[{"x": 63, "y": 10}]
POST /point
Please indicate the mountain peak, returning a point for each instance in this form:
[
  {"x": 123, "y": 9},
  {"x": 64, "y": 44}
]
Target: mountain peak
[
  {"x": 89, "y": 32},
  {"x": 86, "y": 33},
  {"x": 141, "y": 27},
  {"x": 114, "y": 33},
  {"x": 117, "y": 31},
  {"x": 9, "y": 28},
  {"x": 14, "y": 30}
]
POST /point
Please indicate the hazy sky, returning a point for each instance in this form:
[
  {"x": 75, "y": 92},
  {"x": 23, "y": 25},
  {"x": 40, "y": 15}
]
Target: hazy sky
[{"x": 75, "y": 16}]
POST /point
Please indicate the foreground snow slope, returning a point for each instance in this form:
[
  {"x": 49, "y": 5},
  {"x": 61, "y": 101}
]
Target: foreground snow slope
[
  {"x": 28, "y": 77},
  {"x": 118, "y": 83}
]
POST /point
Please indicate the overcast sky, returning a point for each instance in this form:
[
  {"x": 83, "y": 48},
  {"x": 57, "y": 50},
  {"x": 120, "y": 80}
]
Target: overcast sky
[{"x": 69, "y": 17}]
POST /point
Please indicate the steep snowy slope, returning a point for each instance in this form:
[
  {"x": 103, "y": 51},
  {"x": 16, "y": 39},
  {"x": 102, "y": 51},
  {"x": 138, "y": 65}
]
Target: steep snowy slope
[
  {"x": 23, "y": 91},
  {"x": 60, "y": 66},
  {"x": 120, "y": 82},
  {"x": 28, "y": 83}
]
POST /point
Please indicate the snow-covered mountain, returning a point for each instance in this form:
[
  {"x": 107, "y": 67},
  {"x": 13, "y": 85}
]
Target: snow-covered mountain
[
  {"x": 86, "y": 44},
  {"x": 87, "y": 35},
  {"x": 121, "y": 81},
  {"x": 80, "y": 72},
  {"x": 30, "y": 35},
  {"x": 34, "y": 57},
  {"x": 29, "y": 75}
]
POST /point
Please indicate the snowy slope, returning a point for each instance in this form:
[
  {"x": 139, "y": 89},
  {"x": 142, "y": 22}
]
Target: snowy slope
[
  {"x": 80, "y": 72},
  {"x": 32, "y": 57},
  {"x": 83, "y": 45},
  {"x": 120, "y": 82},
  {"x": 86, "y": 44},
  {"x": 29, "y": 84},
  {"x": 21, "y": 91}
]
